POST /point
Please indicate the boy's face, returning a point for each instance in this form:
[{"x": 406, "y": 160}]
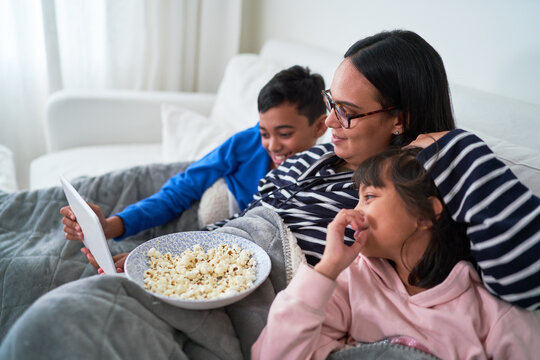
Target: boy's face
[{"x": 284, "y": 132}]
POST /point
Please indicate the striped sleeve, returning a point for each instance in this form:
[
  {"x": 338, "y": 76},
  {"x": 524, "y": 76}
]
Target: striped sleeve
[
  {"x": 307, "y": 193},
  {"x": 502, "y": 215}
]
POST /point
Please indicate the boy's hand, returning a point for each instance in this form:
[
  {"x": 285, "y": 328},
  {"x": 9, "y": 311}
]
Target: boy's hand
[
  {"x": 112, "y": 227},
  {"x": 119, "y": 260},
  {"x": 72, "y": 229},
  {"x": 337, "y": 255}
]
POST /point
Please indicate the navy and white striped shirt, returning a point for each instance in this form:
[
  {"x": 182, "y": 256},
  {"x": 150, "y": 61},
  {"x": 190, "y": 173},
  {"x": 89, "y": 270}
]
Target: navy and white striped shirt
[
  {"x": 502, "y": 215},
  {"x": 307, "y": 192}
]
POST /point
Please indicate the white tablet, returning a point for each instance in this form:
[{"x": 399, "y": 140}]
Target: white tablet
[{"x": 94, "y": 238}]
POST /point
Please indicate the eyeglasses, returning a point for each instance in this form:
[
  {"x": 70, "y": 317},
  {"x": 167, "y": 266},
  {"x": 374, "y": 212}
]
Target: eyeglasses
[{"x": 342, "y": 115}]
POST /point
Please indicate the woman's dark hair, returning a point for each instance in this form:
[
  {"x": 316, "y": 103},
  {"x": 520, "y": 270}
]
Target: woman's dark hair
[
  {"x": 449, "y": 243},
  {"x": 409, "y": 74},
  {"x": 298, "y": 86}
]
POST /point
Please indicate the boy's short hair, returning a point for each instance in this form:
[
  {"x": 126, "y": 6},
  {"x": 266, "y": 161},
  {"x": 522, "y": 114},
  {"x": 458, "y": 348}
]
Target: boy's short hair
[{"x": 296, "y": 85}]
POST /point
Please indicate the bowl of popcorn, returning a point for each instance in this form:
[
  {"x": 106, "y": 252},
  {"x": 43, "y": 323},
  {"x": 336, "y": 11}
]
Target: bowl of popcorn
[{"x": 198, "y": 269}]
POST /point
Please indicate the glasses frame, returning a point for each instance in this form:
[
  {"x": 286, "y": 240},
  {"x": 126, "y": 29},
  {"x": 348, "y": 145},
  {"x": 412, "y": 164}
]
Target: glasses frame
[{"x": 341, "y": 113}]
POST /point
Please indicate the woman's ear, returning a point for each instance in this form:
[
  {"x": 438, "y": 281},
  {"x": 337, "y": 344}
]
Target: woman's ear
[
  {"x": 320, "y": 126},
  {"x": 399, "y": 122}
]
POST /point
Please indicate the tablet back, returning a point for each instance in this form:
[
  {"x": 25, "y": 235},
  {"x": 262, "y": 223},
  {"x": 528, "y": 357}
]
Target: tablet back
[{"x": 94, "y": 238}]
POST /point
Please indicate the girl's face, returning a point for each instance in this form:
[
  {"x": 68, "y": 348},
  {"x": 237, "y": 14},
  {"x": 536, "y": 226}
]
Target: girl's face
[
  {"x": 284, "y": 132},
  {"x": 367, "y": 135},
  {"x": 389, "y": 223}
]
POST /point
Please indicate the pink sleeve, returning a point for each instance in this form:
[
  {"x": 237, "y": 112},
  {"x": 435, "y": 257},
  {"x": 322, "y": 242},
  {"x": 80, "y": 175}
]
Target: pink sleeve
[
  {"x": 296, "y": 327},
  {"x": 516, "y": 335}
]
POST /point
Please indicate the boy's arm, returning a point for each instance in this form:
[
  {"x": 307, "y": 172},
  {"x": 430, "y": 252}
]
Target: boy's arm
[
  {"x": 184, "y": 188},
  {"x": 502, "y": 215}
]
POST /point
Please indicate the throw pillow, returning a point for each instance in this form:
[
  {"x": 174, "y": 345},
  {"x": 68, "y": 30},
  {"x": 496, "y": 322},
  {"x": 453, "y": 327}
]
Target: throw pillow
[
  {"x": 188, "y": 136},
  {"x": 236, "y": 100}
]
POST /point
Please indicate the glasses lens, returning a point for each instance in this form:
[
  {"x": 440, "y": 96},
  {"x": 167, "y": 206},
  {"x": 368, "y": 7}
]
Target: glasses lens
[
  {"x": 342, "y": 116},
  {"x": 338, "y": 110},
  {"x": 327, "y": 102}
]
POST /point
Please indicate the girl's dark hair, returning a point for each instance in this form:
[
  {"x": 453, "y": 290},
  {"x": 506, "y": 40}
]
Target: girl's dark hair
[
  {"x": 298, "y": 86},
  {"x": 409, "y": 74},
  {"x": 449, "y": 243}
]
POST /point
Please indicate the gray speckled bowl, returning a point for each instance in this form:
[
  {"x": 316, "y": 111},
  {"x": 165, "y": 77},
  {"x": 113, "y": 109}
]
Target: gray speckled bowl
[{"x": 137, "y": 262}]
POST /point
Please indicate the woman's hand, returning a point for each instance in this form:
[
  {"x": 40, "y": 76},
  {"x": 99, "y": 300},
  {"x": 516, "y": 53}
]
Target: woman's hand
[
  {"x": 119, "y": 261},
  {"x": 424, "y": 140},
  {"x": 112, "y": 227},
  {"x": 337, "y": 255}
]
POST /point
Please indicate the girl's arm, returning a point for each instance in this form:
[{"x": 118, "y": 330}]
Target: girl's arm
[
  {"x": 505, "y": 341},
  {"x": 310, "y": 318},
  {"x": 296, "y": 327},
  {"x": 503, "y": 216}
]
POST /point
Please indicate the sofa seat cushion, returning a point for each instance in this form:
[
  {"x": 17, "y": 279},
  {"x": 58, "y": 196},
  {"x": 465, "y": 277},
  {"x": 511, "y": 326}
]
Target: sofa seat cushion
[{"x": 45, "y": 170}]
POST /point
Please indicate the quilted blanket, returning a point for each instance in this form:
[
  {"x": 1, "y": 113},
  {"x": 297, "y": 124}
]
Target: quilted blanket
[
  {"x": 107, "y": 316},
  {"x": 34, "y": 255}
]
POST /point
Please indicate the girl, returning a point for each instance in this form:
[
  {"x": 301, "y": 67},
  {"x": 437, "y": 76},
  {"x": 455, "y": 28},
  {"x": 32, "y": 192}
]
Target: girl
[{"x": 412, "y": 281}]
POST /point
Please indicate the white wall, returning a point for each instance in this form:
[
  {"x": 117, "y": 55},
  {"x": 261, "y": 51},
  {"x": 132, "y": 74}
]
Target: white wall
[{"x": 492, "y": 45}]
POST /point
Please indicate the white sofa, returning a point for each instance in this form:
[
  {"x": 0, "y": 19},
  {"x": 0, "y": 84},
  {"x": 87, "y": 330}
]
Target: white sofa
[{"x": 90, "y": 133}]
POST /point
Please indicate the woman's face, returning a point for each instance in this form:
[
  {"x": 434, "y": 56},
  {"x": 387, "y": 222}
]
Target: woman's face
[{"x": 368, "y": 135}]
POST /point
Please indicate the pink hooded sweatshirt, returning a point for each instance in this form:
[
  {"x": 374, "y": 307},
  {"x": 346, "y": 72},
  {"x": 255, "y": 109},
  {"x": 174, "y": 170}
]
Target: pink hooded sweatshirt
[{"x": 457, "y": 319}]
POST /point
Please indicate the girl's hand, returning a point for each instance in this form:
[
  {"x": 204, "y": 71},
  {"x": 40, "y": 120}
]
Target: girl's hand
[
  {"x": 337, "y": 255},
  {"x": 119, "y": 261}
]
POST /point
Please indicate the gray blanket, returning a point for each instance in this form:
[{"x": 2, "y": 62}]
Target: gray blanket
[
  {"x": 34, "y": 255},
  {"x": 104, "y": 315},
  {"x": 107, "y": 317}
]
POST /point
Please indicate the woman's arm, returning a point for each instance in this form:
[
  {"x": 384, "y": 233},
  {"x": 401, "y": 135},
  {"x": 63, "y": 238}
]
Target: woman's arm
[{"x": 503, "y": 216}]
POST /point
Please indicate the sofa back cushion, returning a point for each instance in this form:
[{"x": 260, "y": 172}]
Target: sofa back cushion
[{"x": 235, "y": 108}]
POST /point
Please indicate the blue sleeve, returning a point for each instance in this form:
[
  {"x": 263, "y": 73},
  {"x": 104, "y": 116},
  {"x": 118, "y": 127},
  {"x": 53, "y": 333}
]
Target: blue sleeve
[
  {"x": 184, "y": 188},
  {"x": 502, "y": 215}
]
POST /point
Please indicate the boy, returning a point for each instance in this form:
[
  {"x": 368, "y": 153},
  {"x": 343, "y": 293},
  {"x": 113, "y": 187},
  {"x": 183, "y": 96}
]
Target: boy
[{"x": 291, "y": 114}]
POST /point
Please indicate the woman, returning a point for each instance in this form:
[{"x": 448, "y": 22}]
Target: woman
[{"x": 389, "y": 89}]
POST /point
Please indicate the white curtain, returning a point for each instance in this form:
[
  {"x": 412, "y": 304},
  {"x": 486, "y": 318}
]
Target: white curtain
[{"x": 50, "y": 45}]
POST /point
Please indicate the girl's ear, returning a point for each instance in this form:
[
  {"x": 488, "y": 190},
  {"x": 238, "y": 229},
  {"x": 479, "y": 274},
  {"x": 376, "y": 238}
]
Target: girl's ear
[
  {"x": 437, "y": 206},
  {"x": 320, "y": 126}
]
